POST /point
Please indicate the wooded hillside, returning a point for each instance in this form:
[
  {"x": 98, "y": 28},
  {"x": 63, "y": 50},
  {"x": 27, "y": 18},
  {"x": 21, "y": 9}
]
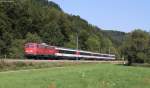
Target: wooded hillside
[{"x": 42, "y": 21}]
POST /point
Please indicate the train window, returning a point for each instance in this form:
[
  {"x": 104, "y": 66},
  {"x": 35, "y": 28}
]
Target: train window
[
  {"x": 67, "y": 52},
  {"x": 81, "y": 53},
  {"x": 40, "y": 46},
  {"x": 106, "y": 55},
  {"x": 71, "y": 52},
  {"x": 95, "y": 54},
  {"x": 61, "y": 51}
]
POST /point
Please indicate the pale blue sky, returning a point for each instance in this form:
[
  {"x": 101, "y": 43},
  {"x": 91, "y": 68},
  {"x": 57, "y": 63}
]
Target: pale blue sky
[{"x": 122, "y": 15}]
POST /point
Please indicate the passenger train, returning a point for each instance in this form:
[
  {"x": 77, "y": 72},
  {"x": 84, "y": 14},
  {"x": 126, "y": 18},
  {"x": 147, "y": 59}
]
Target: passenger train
[{"x": 42, "y": 50}]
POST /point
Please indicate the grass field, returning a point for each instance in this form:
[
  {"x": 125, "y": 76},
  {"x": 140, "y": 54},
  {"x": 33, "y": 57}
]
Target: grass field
[{"x": 78, "y": 76}]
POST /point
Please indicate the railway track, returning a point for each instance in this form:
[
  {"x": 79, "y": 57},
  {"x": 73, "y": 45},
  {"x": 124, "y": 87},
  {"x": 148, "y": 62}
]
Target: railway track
[{"x": 71, "y": 61}]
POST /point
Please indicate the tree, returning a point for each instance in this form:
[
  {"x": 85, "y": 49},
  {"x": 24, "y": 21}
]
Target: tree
[
  {"x": 33, "y": 38},
  {"x": 17, "y": 49},
  {"x": 93, "y": 43},
  {"x": 135, "y": 46},
  {"x": 106, "y": 45},
  {"x": 72, "y": 42}
]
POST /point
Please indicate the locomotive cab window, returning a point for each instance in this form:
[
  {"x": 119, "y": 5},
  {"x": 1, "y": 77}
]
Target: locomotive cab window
[
  {"x": 40, "y": 46},
  {"x": 50, "y": 47}
]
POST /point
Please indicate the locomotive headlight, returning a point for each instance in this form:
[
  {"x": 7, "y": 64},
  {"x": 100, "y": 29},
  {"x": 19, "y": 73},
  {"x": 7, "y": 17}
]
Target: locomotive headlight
[{"x": 29, "y": 51}]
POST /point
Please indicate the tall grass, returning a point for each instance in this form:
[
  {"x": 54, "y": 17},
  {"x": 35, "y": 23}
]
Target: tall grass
[{"x": 5, "y": 65}]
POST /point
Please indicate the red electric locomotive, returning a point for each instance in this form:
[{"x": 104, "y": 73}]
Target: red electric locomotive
[{"x": 35, "y": 50}]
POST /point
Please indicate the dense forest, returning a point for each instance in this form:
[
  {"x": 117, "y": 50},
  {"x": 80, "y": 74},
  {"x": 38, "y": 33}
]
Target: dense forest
[{"x": 23, "y": 21}]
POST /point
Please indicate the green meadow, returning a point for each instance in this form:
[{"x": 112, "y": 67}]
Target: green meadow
[{"x": 78, "y": 76}]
